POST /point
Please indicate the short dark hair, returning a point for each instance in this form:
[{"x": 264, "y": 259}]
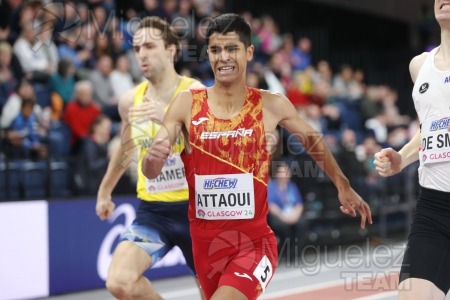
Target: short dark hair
[
  {"x": 226, "y": 23},
  {"x": 27, "y": 103},
  {"x": 64, "y": 66},
  {"x": 100, "y": 118},
  {"x": 168, "y": 33}
]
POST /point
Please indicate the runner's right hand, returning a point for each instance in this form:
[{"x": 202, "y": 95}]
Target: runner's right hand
[
  {"x": 160, "y": 150},
  {"x": 388, "y": 162},
  {"x": 104, "y": 207}
]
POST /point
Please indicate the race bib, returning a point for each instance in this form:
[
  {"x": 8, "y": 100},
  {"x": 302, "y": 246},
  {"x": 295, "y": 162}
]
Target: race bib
[
  {"x": 224, "y": 197},
  {"x": 435, "y": 143},
  {"x": 172, "y": 177}
]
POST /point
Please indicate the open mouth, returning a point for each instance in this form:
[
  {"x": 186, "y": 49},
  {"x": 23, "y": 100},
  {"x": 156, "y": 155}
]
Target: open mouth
[
  {"x": 226, "y": 69},
  {"x": 445, "y": 6}
]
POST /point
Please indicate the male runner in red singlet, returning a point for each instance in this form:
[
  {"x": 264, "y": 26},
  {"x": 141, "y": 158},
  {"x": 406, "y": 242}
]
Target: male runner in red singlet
[{"x": 227, "y": 166}]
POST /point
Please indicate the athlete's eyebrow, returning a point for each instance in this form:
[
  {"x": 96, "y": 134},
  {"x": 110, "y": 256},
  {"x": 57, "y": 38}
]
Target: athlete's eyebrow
[
  {"x": 229, "y": 47},
  {"x": 146, "y": 44},
  {"x": 214, "y": 48}
]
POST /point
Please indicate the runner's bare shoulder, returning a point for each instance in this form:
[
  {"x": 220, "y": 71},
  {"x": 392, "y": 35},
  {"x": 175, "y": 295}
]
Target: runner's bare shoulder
[{"x": 415, "y": 65}]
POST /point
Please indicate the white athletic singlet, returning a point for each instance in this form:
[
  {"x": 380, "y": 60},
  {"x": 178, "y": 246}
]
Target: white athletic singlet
[{"x": 431, "y": 94}]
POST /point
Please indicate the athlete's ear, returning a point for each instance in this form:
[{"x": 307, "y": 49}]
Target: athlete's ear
[
  {"x": 250, "y": 50},
  {"x": 172, "y": 50}
]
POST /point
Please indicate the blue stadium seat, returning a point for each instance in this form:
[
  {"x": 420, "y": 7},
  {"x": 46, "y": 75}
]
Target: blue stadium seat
[
  {"x": 59, "y": 140},
  {"x": 34, "y": 176},
  {"x": 13, "y": 179},
  {"x": 3, "y": 175},
  {"x": 58, "y": 179}
]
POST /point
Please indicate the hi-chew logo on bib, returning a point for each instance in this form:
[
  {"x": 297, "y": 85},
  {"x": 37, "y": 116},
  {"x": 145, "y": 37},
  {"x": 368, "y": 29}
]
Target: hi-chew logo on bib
[
  {"x": 224, "y": 196},
  {"x": 435, "y": 140},
  {"x": 440, "y": 124},
  {"x": 220, "y": 183}
]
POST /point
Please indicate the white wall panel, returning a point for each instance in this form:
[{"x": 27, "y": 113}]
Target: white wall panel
[{"x": 24, "y": 255}]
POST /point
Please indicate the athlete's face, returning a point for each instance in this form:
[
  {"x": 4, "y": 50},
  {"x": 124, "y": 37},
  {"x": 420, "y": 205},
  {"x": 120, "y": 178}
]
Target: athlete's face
[
  {"x": 442, "y": 11},
  {"x": 228, "y": 57},
  {"x": 152, "y": 54}
]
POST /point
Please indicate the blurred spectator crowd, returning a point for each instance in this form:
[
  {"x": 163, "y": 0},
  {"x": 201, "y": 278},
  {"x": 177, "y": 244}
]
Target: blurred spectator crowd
[{"x": 63, "y": 68}]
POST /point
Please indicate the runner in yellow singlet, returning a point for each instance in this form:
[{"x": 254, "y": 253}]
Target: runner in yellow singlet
[{"x": 162, "y": 219}]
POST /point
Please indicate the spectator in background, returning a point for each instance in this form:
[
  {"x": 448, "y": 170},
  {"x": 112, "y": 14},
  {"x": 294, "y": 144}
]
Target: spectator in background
[
  {"x": 359, "y": 89},
  {"x": 10, "y": 73},
  {"x": 103, "y": 92},
  {"x": 102, "y": 46},
  {"x": 23, "y": 134},
  {"x": 351, "y": 166},
  {"x": 286, "y": 48},
  {"x": 256, "y": 24},
  {"x": 343, "y": 84},
  {"x": 117, "y": 45},
  {"x": 380, "y": 123},
  {"x": 93, "y": 157},
  {"x": 182, "y": 19},
  {"x": 38, "y": 57},
  {"x": 255, "y": 80},
  {"x": 71, "y": 13},
  {"x": 312, "y": 115},
  {"x": 29, "y": 11},
  {"x": 286, "y": 209},
  {"x": 62, "y": 88},
  {"x": 371, "y": 104},
  {"x": 365, "y": 152},
  {"x": 269, "y": 35},
  {"x": 323, "y": 72},
  {"x": 121, "y": 80},
  {"x": 63, "y": 82},
  {"x": 277, "y": 74},
  {"x": 320, "y": 93},
  {"x": 151, "y": 8},
  {"x": 300, "y": 89},
  {"x": 99, "y": 17},
  {"x": 109, "y": 44},
  {"x": 12, "y": 107},
  {"x": 46, "y": 45},
  {"x": 127, "y": 27},
  {"x": 397, "y": 137},
  {"x": 300, "y": 55},
  {"x": 38, "y": 60},
  {"x": 83, "y": 12},
  {"x": 69, "y": 49},
  {"x": 9, "y": 19},
  {"x": 197, "y": 54},
  {"x": 168, "y": 8},
  {"x": 80, "y": 113}
]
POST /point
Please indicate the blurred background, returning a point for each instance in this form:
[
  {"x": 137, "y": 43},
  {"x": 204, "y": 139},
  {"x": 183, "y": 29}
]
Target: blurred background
[{"x": 64, "y": 65}]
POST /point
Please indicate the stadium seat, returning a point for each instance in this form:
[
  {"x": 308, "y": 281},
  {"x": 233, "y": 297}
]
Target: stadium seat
[
  {"x": 3, "y": 176},
  {"x": 34, "y": 176},
  {"x": 58, "y": 179},
  {"x": 13, "y": 179}
]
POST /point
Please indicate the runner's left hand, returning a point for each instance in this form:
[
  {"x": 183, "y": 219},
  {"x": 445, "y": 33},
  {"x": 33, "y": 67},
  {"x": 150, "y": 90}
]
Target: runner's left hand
[{"x": 352, "y": 202}]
